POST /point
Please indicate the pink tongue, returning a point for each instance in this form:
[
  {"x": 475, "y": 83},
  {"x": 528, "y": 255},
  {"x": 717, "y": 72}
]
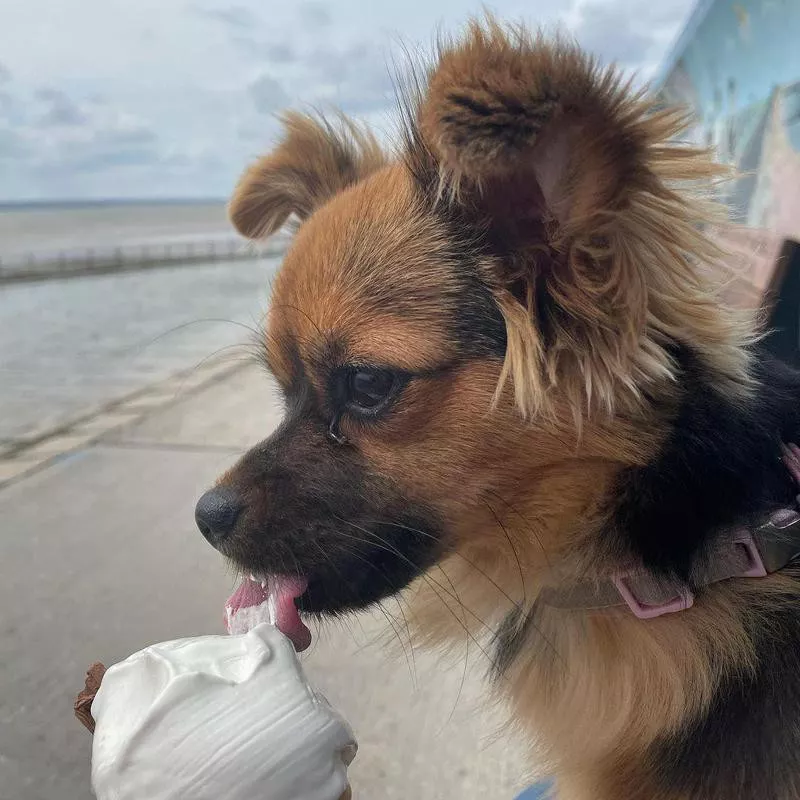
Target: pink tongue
[{"x": 249, "y": 605}]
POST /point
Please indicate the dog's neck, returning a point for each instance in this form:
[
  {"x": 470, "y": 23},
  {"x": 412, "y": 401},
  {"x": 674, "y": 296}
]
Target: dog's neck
[
  {"x": 651, "y": 491},
  {"x": 719, "y": 466}
]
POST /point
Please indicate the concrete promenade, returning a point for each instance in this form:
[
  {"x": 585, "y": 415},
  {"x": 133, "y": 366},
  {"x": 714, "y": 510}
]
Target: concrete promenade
[{"x": 99, "y": 557}]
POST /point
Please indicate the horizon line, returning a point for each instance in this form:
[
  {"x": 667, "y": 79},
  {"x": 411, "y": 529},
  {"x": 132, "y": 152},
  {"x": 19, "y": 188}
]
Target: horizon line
[{"x": 15, "y": 205}]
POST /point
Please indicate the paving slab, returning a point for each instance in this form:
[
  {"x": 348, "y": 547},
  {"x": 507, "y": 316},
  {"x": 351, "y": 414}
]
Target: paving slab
[
  {"x": 12, "y": 468},
  {"x": 236, "y": 412}
]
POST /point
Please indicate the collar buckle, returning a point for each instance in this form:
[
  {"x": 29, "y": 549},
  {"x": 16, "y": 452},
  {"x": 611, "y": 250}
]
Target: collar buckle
[
  {"x": 755, "y": 564},
  {"x": 680, "y": 602}
]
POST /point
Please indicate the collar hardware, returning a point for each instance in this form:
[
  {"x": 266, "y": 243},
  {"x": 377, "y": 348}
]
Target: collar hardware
[{"x": 740, "y": 553}]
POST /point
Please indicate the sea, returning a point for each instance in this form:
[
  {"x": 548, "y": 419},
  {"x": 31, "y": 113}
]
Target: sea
[
  {"x": 68, "y": 345},
  {"x": 38, "y": 231}
]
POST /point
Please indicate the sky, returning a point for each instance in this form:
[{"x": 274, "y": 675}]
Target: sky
[{"x": 172, "y": 98}]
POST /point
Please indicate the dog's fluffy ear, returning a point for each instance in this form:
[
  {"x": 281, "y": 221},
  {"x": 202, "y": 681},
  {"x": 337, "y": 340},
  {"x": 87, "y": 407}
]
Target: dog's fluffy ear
[
  {"x": 519, "y": 114},
  {"x": 572, "y": 176},
  {"x": 315, "y": 160}
]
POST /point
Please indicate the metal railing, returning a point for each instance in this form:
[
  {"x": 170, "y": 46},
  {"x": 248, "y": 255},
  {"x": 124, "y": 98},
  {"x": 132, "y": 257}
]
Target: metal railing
[{"x": 31, "y": 266}]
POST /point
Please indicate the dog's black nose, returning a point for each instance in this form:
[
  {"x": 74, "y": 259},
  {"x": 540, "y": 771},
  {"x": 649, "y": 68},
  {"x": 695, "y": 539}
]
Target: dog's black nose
[{"x": 216, "y": 512}]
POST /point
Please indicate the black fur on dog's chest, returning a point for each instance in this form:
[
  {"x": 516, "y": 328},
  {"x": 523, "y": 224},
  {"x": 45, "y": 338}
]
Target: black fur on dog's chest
[{"x": 720, "y": 466}]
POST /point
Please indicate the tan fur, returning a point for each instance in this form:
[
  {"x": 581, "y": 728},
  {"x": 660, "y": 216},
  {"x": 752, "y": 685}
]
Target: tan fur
[
  {"x": 594, "y": 689},
  {"x": 315, "y": 160},
  {"x": 617, "y": 685}
]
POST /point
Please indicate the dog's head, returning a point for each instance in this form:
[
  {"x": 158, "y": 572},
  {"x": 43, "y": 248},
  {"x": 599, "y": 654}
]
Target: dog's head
[{"x": 469, "y": 335}]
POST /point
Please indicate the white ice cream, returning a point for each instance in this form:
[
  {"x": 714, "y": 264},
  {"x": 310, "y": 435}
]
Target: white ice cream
[{"x": 217, "y": 718}]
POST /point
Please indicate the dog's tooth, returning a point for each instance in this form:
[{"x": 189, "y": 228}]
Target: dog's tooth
[
  {"x": 253, "y": 578},
  {"x": 263, "y": 584}
]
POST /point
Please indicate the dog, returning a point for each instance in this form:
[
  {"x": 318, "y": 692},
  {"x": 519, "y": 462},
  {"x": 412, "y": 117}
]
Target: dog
[{"x": 514, "y": 393}]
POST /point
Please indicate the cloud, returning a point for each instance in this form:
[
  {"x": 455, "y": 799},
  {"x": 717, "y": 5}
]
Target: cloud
[
  {"x": 191, "y": 85},
  {"x": 12, "y": 146},
  {"x": 278, "y": 53},
  {"x": 6, "y": 107},
  {"x": 114, "y": 146},
  {"x": 236, "y": 16},
  {"x": 59, "y": 134},
  {"x": 603, "y": 35},
  {"x": 268, "y": 95},
  {"x": 356, "y": 78},
  {"x": 59, "y": 109},
  {"x": 342, "y": 63},
  {"x": 617, "y": 30},
  {"x": 315, "y": 15}
]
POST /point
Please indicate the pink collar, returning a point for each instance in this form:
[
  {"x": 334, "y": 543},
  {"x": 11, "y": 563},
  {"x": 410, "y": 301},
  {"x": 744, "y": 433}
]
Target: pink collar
[{"x": 740, "y": 553}]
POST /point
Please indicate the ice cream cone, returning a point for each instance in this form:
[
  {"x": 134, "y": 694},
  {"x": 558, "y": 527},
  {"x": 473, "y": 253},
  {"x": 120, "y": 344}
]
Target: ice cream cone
[{"x": 211, "y": 717}]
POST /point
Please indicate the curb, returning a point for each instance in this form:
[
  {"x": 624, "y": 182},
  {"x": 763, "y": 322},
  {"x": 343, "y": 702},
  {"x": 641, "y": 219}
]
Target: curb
[{"x": 35, "y": 451}]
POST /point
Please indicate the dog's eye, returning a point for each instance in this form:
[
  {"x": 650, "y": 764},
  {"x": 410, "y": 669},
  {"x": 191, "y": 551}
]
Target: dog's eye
[{"x": 369, "y": 389}]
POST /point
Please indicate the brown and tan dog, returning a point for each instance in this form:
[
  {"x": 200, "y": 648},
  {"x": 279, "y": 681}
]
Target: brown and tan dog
[{"x": 509, "y": 377}]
